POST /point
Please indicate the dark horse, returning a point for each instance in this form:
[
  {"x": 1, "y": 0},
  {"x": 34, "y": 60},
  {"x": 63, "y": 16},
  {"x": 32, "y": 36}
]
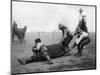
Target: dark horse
[{"x": 19, "y": 32}]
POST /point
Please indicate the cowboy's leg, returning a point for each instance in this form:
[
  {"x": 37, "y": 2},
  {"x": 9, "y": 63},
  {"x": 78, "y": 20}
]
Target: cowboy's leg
[
  {"x": 81, "y": 45},
  {"x": 67, "y": 46},
  {"x": 49, "y": 60},
  {"x": 63, "y": 42},
  {"x": 24, "y": 60},
  {"x": 47, "y": 57},
  {"x": 68, "y": 40}
]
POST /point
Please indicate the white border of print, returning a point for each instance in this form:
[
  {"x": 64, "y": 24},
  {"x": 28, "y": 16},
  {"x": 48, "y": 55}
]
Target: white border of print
[{"x": 5, "y": 37}]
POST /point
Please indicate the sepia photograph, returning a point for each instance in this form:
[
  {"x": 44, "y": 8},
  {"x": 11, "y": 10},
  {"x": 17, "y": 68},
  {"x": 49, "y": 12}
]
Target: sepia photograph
[{"x": 52, "y": 37}]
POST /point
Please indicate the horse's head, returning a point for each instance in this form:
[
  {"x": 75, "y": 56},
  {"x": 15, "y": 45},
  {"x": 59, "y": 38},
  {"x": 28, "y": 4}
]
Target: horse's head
[
  {"x": 14, "y": 27},
  {"x": 14, "y": 24}
]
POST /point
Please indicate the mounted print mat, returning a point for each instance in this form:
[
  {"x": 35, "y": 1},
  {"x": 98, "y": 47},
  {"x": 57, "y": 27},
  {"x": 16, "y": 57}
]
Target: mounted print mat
[{"x": 51, "y": 37}]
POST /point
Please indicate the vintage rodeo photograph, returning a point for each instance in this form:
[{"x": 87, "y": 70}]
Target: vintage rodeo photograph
[{"x": 52, "y": 37}]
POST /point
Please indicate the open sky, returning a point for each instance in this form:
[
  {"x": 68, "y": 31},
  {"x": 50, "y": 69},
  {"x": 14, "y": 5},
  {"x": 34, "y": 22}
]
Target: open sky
[{"x": 46, "y": 17}]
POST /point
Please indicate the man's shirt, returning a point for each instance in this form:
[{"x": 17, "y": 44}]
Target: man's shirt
[{"x": 41, "y": 46}]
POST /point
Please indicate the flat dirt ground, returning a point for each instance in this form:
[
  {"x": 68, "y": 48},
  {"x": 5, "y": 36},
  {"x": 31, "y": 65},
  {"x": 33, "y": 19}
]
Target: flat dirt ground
[{"x": 66, "y": 62}]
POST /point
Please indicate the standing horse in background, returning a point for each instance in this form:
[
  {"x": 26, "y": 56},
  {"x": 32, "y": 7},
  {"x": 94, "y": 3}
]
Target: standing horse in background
[
  {"x": 19, "y": 32},
  {"x": 22, "y": 34}
]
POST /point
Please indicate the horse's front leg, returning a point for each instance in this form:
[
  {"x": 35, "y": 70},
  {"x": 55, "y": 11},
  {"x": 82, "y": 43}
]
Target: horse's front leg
[
  {"x": 20, "y": 40},
  {"x": 24, "y": 40}
]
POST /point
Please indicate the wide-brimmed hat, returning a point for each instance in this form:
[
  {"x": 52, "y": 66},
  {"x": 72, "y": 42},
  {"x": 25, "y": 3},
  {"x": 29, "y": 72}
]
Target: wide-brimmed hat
[{"x": 78, "y": 30}]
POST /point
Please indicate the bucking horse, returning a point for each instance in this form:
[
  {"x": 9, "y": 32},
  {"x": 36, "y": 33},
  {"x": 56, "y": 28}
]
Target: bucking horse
[{"x": 19, "y": 32}]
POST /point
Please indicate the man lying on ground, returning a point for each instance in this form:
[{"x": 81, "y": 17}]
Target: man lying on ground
[{"x": 41, "y": 49}]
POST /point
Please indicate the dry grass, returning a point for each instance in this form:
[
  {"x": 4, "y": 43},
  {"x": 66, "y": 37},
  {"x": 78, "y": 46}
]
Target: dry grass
[{"x": 67, "y": 62}]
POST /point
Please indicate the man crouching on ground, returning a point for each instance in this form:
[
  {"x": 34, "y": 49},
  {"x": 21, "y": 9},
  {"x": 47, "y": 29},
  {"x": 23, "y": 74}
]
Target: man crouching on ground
[
  {"x": 67, "y": 36},
  {"x": 81, "y": 41}
]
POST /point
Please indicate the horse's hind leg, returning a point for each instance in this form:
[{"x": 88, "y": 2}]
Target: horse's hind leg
[
  {"x": 24, "y": 40},
  {"x": 20, "y": 40}
]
